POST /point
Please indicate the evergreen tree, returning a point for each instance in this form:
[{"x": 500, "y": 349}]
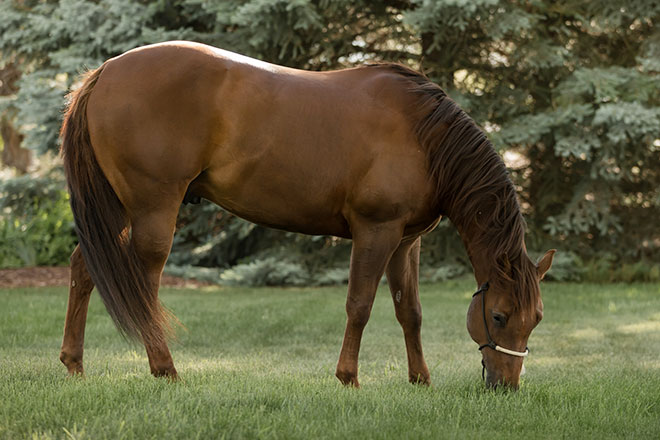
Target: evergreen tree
[
  {"x": 567, "y": 90},
  {"x": 572, "y": 88}
]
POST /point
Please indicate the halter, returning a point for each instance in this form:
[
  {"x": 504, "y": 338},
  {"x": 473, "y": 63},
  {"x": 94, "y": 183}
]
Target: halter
[{"x": 491, "y": 343}]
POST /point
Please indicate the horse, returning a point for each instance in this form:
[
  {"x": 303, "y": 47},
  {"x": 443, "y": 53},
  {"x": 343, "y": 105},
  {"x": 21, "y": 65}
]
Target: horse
[{"x": 377, "y": 154}]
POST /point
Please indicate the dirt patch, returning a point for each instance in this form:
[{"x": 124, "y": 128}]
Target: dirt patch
[{"x": 59, "y": 276}]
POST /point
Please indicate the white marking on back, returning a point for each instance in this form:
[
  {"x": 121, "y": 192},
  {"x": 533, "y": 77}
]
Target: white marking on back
[{"x": 242, "y": 59}]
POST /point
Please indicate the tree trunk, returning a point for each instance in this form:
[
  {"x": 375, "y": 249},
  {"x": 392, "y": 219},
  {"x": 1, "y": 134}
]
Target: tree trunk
[{"x": 13, "y": 155}]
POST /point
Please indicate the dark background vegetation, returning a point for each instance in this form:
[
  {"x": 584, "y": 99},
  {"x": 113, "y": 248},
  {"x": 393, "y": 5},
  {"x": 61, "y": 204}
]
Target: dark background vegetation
[{"x": 568, "y": 91}]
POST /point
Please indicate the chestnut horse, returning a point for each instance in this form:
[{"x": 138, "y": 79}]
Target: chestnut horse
[{"x": 377, "y": 154}]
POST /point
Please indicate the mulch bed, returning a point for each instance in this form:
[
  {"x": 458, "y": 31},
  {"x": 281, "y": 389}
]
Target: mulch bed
[{"x": 59, "y": 276}]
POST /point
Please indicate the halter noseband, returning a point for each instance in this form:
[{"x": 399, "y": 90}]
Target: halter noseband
[{"x": 491, "y": 343}]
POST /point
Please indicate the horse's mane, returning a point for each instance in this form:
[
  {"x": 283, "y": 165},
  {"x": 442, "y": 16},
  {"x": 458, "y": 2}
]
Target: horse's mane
[{"x": 471, "y": 182}]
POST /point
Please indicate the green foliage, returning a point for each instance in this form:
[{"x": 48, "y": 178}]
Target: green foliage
[
  {"x": 54, "y": 41},
  {"x": 315, "y": 35},
  {"x": 189, "y": 272},
  {"x": 267, "y": 272},
  {"x": 36, "y": 224},
  {"x": 331, "y": 276},
  {"x": 606, "y": 270},
  {"x": 444, "y": 272},
  {"x": 209, "y": 236},
  {"x": 572, "y": 88}
]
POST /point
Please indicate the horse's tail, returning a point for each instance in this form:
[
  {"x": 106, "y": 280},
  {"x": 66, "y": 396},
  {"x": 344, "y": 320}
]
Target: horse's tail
[{"x": 102, "y": 226}]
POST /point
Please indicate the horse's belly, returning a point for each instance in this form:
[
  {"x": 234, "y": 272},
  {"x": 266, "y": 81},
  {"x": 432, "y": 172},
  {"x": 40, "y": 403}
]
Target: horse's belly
[{"x": 269, "y": 199}]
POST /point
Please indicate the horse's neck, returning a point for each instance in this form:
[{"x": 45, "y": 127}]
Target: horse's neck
[
  {"x": 472, "y": 235},
  {"x": 488, "y": 227},
  {"x": 476, "y": 252}
]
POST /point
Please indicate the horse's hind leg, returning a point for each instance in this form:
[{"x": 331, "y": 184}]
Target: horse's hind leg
[
  {"x": 403, "y": 275},
  {"x": 372, "y": 248},
  {"x": 152, "y": 235},
  {"x": 80, "y": 288}
]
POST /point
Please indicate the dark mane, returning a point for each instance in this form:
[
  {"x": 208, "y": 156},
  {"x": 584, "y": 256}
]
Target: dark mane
[{"x": 472, "y": 182}]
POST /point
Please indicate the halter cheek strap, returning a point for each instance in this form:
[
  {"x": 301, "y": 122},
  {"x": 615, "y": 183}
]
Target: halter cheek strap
[{"x": 491, "y": 343}]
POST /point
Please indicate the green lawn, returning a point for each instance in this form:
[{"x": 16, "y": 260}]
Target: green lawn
[{"x": 259, "y": 363}]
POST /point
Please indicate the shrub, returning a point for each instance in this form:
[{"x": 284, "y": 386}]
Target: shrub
[
  {"x": 446, "y": 271},
  {"x": 267, "y": 272},
  {"x": 331, "y": 277},
  {"x": 208, "y": 274},
  {"x": 36, "y": 224}
]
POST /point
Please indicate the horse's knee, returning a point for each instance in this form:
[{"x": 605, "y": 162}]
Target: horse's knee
[
  {"x": 410, "y": 318},
  {"x": 358, "y": 314}
]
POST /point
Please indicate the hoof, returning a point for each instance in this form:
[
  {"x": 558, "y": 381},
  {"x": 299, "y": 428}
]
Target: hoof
[
  {"x": 73, "y": 364},
  {"x": 419, "y": 379},
  {"x": 348, "y": 379},
  {"x": 76, "y": 372},
  {"x": 169, "y": 373}
]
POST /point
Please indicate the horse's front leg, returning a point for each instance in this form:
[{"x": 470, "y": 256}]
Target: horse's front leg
[
  {"x": 372, "y": 248},
  {"x": 403, "y": 278},
  {"x": 80, "y": 288}
]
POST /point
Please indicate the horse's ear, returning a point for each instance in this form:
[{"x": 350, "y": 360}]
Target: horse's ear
[{"x": 545, "y": 263}]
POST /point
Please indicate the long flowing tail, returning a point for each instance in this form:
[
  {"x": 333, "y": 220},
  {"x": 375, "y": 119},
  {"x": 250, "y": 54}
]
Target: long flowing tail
[{"x": 102, "y": 227}]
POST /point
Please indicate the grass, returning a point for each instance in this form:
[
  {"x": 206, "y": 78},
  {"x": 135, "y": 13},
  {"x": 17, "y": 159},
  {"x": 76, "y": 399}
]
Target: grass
[{"x": 259, "y": 363}]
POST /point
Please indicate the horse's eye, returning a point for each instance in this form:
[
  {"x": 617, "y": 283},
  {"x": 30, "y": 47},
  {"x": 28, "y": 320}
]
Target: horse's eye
[{"x": 499, "y": 319}]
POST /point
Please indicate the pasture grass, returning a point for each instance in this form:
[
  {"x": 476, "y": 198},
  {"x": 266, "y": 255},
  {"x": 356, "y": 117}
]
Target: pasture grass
[{"x": 259, "y": 363}]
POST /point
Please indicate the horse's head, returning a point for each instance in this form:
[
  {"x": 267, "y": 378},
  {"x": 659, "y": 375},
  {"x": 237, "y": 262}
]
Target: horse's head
[{"x": 501, "y": 323}]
